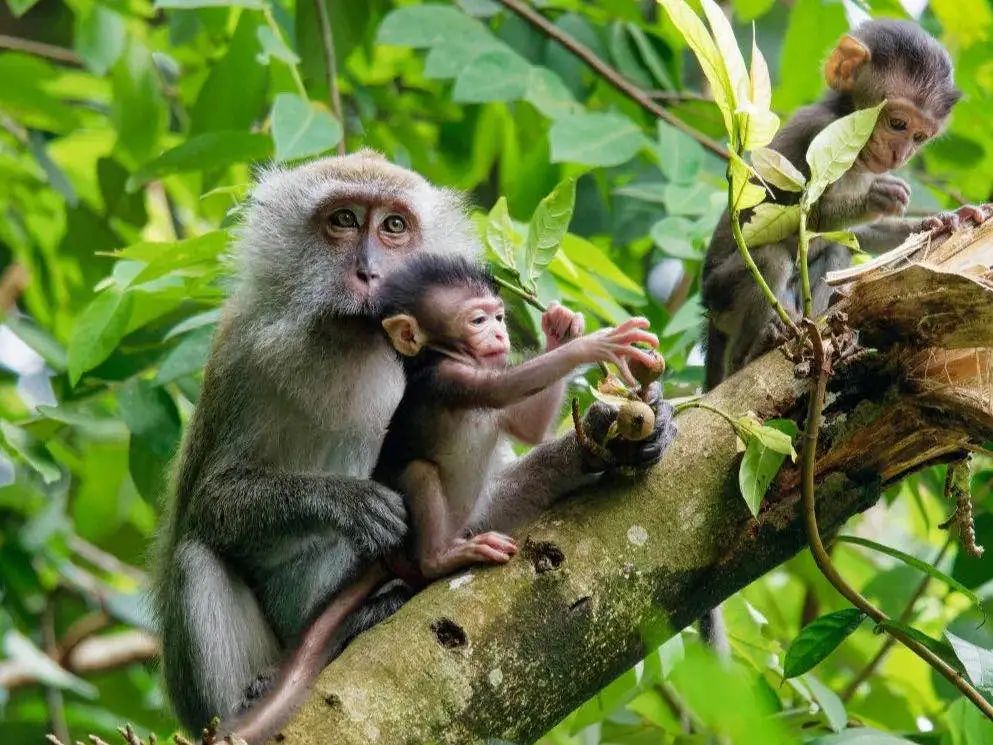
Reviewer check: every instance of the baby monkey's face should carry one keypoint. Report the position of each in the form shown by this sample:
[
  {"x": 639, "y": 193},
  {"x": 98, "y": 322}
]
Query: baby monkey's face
[{"x": 481, "y": 326}]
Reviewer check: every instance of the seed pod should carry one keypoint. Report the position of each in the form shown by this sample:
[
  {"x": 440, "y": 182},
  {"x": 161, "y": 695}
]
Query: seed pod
[
  {"x": 612, "y": 386},
  {"x": 635, "y": 421},
  {"x": 648, "y": 374}
]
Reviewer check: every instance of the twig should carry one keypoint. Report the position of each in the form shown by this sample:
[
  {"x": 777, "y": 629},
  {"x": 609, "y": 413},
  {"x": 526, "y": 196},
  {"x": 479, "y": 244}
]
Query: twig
[
  {"x": 610, "y": 74},
  {"x": 905, "y": 617},
  {"x": 680, "y": 96},
  {"x": 105, "y": 561},
  {"x": 331, "y": 67},
  {"x": 54, "y": 699},
  {"x": 40, "y": 49},
  {"x": 821, "y": 369}
]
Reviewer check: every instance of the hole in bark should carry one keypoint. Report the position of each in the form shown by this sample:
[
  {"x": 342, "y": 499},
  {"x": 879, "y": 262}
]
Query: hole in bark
[
  {"x": 279, "y": 737},
  {"x": 449, "y": 634},
  {"x": 580, "y": 605},
  {"x": 543, "y": 555},
  {"x": 332, "y": 701}
]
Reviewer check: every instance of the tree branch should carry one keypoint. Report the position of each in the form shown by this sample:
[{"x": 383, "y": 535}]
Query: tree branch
[
  {"x": 611, "y": 75},
  {"x": 40, "y": 49}
]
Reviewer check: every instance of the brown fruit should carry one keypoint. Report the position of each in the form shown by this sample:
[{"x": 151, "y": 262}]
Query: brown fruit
[
  {"x": 647, "y": 374},
  {"x": 635, "y": 421}
]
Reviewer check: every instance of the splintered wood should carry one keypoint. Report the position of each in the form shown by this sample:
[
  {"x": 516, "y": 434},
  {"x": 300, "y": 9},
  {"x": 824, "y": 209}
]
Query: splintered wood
[{"x": 933, "y": 298}]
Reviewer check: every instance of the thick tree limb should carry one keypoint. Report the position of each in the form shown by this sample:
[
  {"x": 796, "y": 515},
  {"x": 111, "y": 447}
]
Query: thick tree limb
[{"x": 507, "y": 652}]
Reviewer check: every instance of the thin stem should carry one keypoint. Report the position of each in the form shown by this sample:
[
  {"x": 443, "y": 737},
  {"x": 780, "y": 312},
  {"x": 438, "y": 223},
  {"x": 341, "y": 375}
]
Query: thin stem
[
  {"x": 278, "y": 33},
  {"x": 905, "y": 617},
  {"x": 331, "y": 67},
  {"x": 40, "y": 49},
  {"x": 679, "y": 96},
  {"x": 611, "y": 75},
  {"x": 820, "y": 554},
  {"x": 523, "y": 294},
  {"x": 746, "y": 257},
  {"x": 707, "y": 407},
  {"x": 803, "y": 249}
]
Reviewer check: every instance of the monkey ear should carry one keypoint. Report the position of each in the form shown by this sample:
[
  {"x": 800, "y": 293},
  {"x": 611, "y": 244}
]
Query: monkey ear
[
  {"x": 405, "y": 334},
  {"x": 845, "y": 61}
]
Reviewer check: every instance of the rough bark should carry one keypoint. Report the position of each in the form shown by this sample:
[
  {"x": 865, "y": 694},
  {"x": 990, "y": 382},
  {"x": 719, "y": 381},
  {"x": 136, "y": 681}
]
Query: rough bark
[{"x": 507, "y": 652}]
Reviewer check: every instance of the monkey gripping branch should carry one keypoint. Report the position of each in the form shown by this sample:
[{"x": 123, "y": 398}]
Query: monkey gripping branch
[{"x": 506, "y": 653}]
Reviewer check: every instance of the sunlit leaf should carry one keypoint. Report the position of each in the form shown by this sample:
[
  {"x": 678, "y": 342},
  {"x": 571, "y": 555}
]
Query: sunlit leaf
[
  {"x": 501, "y": 236},
  {"x": 207, "y": 152},
  {"x": 759, "y": 83},
  {"x": 943, "y": 650},
  {"x": 761, "y": 462},
  {"x": 274, "y": 47},
  {"x": 829, "y": 701},
  {"x": 727, "y": 45},
  {"x": 595, "y": 139},
  {"x": 977, "y": 661},
  {"x": 499, "y": 75},
  {"x": 744, "y": 193},
  {"x": 98, "y": 330},
  {"x": 776, "y": 169},
  {"x": 548, "y": 226},
  {"x": 818, "y": 639},
  {"x": 845, "y": 237},
  {"x": 771, "y": 223},
  {"x": 835, "y": 148},
  {"x": 300, "y": 128}
]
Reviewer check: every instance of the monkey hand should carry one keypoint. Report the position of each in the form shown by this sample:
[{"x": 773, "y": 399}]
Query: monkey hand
[
  {"x": 624, "y": 454},
  {"x": 950, "y": 221},
  {"x": 560, "y": 325},
  {"x": 616, "y": 345},
  {"x": 888, "y": 196},
  {"x": 379, "y": 520}
]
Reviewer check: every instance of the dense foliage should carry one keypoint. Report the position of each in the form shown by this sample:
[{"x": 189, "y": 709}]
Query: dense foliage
[{"x": 128, "y": 134}]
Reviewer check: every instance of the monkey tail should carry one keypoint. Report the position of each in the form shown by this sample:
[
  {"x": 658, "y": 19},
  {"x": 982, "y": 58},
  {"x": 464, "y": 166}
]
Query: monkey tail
[{"x": 268, "y": 716}]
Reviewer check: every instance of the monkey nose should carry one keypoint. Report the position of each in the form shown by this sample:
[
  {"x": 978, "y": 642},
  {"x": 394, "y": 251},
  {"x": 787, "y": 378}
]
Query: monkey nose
[{"x": 367, "y": 276}]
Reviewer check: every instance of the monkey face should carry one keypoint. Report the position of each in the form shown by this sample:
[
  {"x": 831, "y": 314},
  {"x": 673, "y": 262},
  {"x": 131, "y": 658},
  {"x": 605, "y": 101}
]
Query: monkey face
[
  {"x": 900, "y": 130},
  {"x": 368, "y": 237},
  {"x": 483, "y": 328}
]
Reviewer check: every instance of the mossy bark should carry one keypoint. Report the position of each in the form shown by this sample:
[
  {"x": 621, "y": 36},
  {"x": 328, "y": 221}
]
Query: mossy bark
[{"x": 507, "y": 652}]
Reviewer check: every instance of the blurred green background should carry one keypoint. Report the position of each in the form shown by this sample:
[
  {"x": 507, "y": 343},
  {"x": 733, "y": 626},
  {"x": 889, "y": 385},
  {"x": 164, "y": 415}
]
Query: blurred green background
[{"x": 127, "y": 133}]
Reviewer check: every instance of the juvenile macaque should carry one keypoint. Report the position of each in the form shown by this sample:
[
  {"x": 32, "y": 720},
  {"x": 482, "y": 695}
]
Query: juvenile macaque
[
  {"x": 896, "y": 61},
  {"x": 443, "y": 314}
]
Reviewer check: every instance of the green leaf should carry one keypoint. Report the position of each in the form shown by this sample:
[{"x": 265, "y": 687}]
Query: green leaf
[
  {"x": 944, "y": 651},
  {"x": 929, "y": 569},
  {"x": 835, "y": 148},
  {"x": 549, "y": 224},
  {"x": 300, "y": 128},
  {"x": 189, "y": 4},
  {"x": 845, "y": 237},
  {"x": 40, "y": 340},
  {"x": 594, "y": 260},
  {"x": 771, "y": 223},
  {"x": 187, "y": 357},
  {"x": 20, "y": 7},
  {"x": 18, "y": 648},
  {"x": 499, "y": 75},
  {"x": 273, "y": 46},
  {"x": 707, "y": 54},
  {"x": 775, "y": 168},
  {"x": 757, "y": 127},
  {"x": 595, "y": 139},
  {"x": 759, "y": 82},
  {"x": 139, "y": 109},
  {"x": 727, "y": 45},
  {"x": 673, "y": 237},
  {"x": 860, "y": 736},
  {"x": 977, "y": 661},
  {"x": 207, "y": 152},
  {"x": 423, "y": 26},
  {"x": 829, "y": 701},
  {"x": 690, "y": 316},
  {"x": 99, "y": 37},
  {"x": 748, "y": 10},
  {"x": 501, "y": 235},
  {"x": 151, "y": 416},
  {"x": 19, "y": 443},
  {"x": 163, "y": 258},
  {"x": 680, "y": 156},
  {"x": 547, "y": 93},
  {"x": 744, "y": 193},
  {"x": 761, "y": 463},
  {"x": 98, "y": 330},
  {"x": 818, "y": 639}
]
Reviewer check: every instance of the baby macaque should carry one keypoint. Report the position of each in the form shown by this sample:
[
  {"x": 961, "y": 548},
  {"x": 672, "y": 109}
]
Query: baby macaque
[{"x": 444, "y": 315}]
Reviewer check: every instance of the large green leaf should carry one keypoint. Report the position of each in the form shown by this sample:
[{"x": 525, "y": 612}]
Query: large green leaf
[
  {"x": 929, "y": 569},
  {"x": 595, "y": 139},
  {"x": 151, "y": 416},
  {"x": 499, "y": 75},
  {"x": 301, "y": 128},
  {"x": 187, "y": 357},
  {"x": 771, "y": 223},
  {"x": 835, "y": 148},
  {"x": 99, "y": 329},
  {"x": 425, "y": 25},
  {"x": 860, "y": 736},
  {"x": 977, "y": 661},
  {"x": 761, "y": 463},
  {"x": 207, "y": 152},
  {"x": 818, "y": 639},
  {"x": 549, "y": 224},
  {"x": 100, "y": 37}
]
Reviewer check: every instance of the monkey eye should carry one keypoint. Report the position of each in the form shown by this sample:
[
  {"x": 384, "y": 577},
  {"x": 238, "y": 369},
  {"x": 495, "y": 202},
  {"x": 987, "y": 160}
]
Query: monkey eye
[
  {"x": 394, "y": 224},
  {"x": 479, "y": 320},
  {"x": 343, "y": 219},
  {"x": 499, "y": 317},
  {"x": 898, "y": 124}
]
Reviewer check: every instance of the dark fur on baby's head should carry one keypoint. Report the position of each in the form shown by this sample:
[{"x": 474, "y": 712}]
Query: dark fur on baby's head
[{"x": 406, "y": 289}]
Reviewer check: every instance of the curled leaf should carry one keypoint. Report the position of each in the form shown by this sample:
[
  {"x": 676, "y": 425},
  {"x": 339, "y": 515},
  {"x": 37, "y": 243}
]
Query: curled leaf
[{"x": 776, "y": 169}]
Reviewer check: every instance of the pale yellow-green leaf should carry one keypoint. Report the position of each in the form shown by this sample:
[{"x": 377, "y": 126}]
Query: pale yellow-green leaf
[
  {"x": 760, "y": 85},
  {"x": 727, "y": 45},
  {"x": 700, "y": 41},
  {"x": 845, "y": 237},
  {"x": 757, "y": 126},
  {"x": 775, "y": 168},
  {"x": 771, "y": 223},
  {"x": 744, "y": 193},
  {"x": 501, "y": 236},
  {"x": 835, "y": 149}
]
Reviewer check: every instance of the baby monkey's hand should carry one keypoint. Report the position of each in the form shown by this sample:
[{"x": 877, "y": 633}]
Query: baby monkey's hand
[
  {"x": 616, "y": 345},
  {"x": 560, "y": 325}
]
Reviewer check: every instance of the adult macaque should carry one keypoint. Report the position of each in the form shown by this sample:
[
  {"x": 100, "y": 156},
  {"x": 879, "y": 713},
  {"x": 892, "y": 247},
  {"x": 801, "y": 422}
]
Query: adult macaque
[
  {"x": 274, "y": 523},
  {"x": 445, "y": 316},
  {"x": 896, "y": 61}
]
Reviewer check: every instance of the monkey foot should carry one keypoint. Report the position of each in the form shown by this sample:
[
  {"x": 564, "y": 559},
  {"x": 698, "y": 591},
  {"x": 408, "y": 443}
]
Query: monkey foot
[
  {"x": 950, "y": 221},
  {"x": 484, "y": 548}
]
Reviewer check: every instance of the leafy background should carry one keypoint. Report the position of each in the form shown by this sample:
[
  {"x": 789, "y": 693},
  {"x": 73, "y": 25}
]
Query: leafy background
[{"x": 127, "y": 134}]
